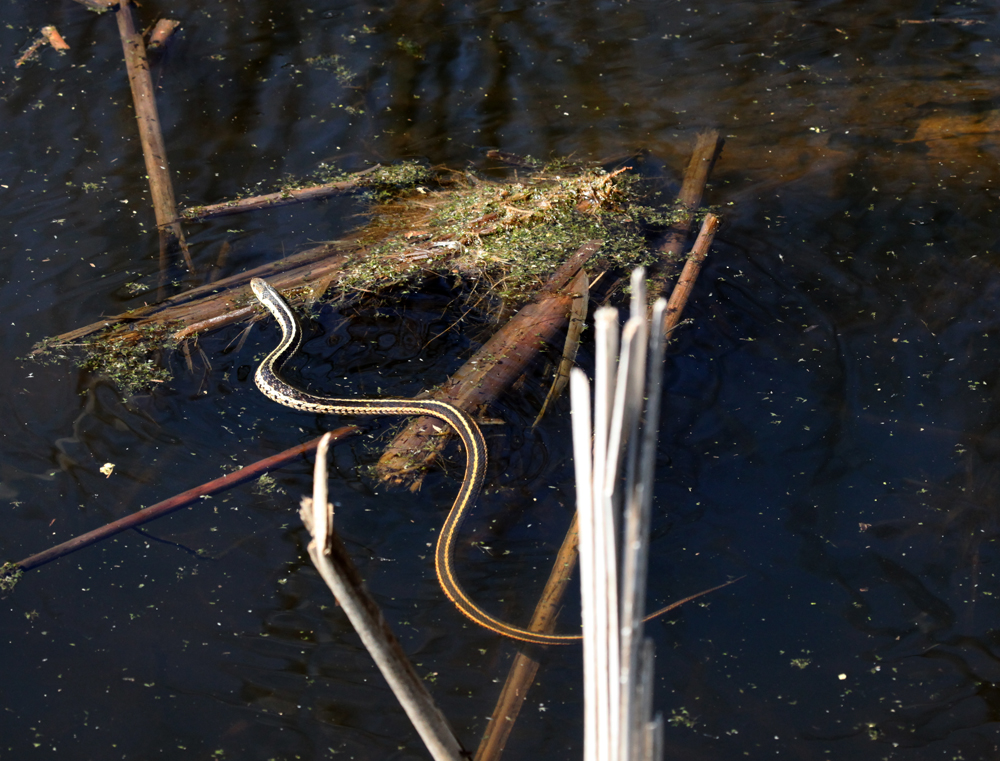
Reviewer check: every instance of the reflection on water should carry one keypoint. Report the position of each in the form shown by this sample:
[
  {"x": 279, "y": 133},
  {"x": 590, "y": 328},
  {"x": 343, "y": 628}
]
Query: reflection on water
[{"x": 830, "y": 432}]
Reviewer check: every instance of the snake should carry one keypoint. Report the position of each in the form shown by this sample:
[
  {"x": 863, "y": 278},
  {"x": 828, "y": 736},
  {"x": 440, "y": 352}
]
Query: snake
[{"x": 274, "y": 387}]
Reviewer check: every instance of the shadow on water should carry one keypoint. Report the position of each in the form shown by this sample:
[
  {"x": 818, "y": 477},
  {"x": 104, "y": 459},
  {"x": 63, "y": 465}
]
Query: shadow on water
[{"x": 831, "y": 428}]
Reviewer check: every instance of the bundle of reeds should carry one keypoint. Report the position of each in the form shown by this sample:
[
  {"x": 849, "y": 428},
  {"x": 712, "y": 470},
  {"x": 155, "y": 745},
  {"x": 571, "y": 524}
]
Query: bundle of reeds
[{"x": 615, "y": 457}]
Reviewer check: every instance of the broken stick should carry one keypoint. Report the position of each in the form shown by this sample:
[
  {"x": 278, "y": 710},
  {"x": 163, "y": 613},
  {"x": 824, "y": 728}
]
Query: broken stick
[{"x": 154, "y": 150}]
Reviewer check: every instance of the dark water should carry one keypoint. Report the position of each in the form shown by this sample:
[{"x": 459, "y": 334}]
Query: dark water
[{"x": 830, "y": 431}]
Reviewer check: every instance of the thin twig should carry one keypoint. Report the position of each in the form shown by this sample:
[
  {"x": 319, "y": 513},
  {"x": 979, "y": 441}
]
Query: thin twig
[
  {"x": 177, "y": 502},
  {"x": 281, "y": 198},
  {"x": 577, "y": 319}
]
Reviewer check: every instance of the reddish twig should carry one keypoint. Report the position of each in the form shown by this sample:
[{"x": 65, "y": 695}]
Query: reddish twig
[{"x": 175, "y": 503}]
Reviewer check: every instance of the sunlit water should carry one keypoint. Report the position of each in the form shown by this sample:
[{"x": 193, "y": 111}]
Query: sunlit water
[{"x": 829, "y": 432}]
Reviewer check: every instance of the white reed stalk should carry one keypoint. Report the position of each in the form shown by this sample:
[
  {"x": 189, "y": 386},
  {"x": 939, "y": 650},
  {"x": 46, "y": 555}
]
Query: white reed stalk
[
  {"x": 579, "y": 390},
  {"x": 604, "y": 554},
  {"x": 635, "y": 543},
  {"x": 334, "y": 565},
  {"x": 617, "y": 660}
]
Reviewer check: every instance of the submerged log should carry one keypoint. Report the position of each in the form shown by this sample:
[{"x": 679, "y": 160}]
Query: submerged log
[
  {"x": 496, "y": 365},
  {"x": 706, "y": 150}
]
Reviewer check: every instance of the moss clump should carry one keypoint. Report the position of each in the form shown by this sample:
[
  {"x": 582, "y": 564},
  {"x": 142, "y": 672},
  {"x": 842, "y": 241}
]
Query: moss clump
[
  {"x": 503, "y": 237},
  {"x": 10, "y": 574},
  {"x": 130, "y": 360}
]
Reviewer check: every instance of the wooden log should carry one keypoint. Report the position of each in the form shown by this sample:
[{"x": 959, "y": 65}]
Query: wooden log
[
  {"x": 51, "y": 34},
  {"x": 161, "y": 34},
  {"x": 491, "y": 370}
]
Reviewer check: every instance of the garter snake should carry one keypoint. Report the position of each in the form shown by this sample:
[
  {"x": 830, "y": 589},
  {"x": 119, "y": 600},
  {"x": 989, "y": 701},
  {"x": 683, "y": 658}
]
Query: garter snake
[{"x": 269, "y": 381}]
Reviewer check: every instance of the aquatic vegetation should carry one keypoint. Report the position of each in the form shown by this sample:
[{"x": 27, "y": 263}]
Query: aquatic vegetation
[
  {"x": 503, "y": 238},
  {"x": 130, "y": 361}
]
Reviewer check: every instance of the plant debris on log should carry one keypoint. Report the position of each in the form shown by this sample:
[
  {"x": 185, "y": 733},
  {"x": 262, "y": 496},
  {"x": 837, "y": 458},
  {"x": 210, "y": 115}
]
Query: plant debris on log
[{"x": 499, "y": 241}]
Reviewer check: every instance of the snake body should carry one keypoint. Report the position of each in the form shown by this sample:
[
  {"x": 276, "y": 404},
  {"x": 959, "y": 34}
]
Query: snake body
[{"x": 270, "y": 382}]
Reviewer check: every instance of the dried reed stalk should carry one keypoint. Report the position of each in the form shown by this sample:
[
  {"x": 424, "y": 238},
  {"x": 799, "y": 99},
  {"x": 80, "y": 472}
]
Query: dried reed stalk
[
  {"x": 281, "y": 198},
  {"x": 154, "y": 150},
  {"x": 342, "y": 577},
  {"x": 616, "y": 678}
]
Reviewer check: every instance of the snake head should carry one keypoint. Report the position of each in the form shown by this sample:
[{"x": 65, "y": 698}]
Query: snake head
[{"x": 262, "y": 289}]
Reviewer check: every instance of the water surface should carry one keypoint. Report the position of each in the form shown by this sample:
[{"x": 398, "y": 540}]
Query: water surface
[{"x": 829, "y": 431}]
